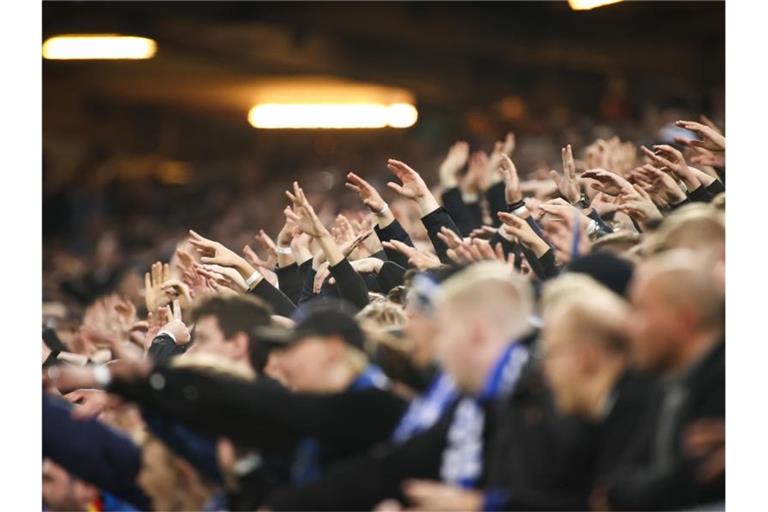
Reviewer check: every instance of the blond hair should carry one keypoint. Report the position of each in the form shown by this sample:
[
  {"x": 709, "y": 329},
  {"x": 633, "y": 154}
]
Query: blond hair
[{"x": 493, "y": 291}]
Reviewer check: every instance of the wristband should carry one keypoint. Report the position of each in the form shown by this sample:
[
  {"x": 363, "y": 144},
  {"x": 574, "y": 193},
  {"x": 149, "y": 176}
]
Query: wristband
[
  {"x": 517, "y": 205},
  {"x": 253, "y": 279},
  {"x": 384, "y": 209},
  {"x": 102, "y": 376},
  {"x": 283, "y": 250},
  {"x": 520, "y": 211},
  {"x": 166, "y": 333}
]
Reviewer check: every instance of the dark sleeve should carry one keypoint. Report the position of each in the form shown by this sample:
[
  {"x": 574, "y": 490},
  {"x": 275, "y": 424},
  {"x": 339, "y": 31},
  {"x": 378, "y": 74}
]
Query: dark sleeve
[
  {"x": 262, "y": 414},
  {"x": 601, "y": 224},
  {"x": 716, "y": 187},
  {"x": 435, "y": 220},
  {"x": 290, "y": 281},
  {"x": 467, "y": 216},
  {"x": 390, "y": 275},
  {"x": 281, "y": 304},
  {"x": 675, "y": 206},
  {"x": 307, "y": 274},
  {"x": 661, "y": 488},
  {"x": 506, "y": 245},
  {"x": 548, "y": 264},
  {"x": 163, "y": 348},
  {"x": 361, "y": 483},
  {"x": 92, "y": 451},
  {"x": 394, "y": 231},
  {"x": 198, "y": 450},
  {"x": 497, "y": 201},
  {"x": 700, "y": 195},
  {"x": 350, "y": 285}
]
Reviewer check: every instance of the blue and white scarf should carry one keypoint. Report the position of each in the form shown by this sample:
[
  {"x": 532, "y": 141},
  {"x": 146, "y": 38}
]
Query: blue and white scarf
[
  {"x": 462, "y": 458},
  {"x": 426, "y": 409}
]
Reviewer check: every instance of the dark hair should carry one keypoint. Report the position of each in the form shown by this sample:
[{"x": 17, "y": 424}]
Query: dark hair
[{"x": 241, "y": 313}]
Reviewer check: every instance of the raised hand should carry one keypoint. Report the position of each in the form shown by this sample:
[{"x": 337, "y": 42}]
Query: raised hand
[
  {"x": 177, "y": 289},
  {"x": 411, "y": 186},
  {"x": 508, "y": 171},
  {"x": 175, "y": 326},
  {"x": 477, "y": 176},
  {"x": 641, "y": 208},
  {"x": 449, "y": 237},
  {"x": 321, "y": 274},
  {"x": 224, "y": 275},
  {"x": 609, "y": 182},
  {"x": 657, "y": 182},
  {"x": 213, "y": 252},
  {"x": 154, "y": 297},
  {"x": 454, "y": 161},
  {"x": 604, "y": 204},
  {"x": 368, "y": 194},
  {"x": 567, "y": 184},
  {"x": 420, "y": 259},
  {"x": 710, "y": 138},
  {"x": 668, "y": 157},
  {"x": 303, "y": 215},
  {"x": 517, "y": 227}
]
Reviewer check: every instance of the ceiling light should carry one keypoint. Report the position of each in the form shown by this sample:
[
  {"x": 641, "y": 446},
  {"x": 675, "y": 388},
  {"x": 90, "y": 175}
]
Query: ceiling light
[{"x": 98, "y": 46}]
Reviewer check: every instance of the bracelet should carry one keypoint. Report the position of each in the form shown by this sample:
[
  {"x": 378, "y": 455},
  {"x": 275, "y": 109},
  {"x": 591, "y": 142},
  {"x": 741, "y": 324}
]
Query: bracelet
[
  {"x": 516, "y": 206},
  {"x": 252, "y": 280},
  {"x": 592, "y": 227},
  {"x": 283, "y": 250},
  {"x": 102, "y": 376},
  {"x": 520, "y": 211},
  {"x": 384, "y": 209}
]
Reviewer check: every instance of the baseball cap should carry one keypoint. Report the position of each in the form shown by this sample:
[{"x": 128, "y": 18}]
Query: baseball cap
[{"x": 330, "y": 318}]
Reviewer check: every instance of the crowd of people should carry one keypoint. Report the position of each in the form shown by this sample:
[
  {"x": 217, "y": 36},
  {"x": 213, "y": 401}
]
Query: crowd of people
[{"x": 498, "y": 341}]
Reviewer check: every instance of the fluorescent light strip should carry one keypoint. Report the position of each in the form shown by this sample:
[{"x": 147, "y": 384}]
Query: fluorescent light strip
[
  {"x": 332, "y": 115},
  {"x": 98, "y": 46}
]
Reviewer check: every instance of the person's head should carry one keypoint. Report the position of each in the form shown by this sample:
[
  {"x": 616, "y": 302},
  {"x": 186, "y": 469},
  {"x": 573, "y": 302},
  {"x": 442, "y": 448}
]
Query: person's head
[
  {"x": 697, "y": 227},
  {"x": 479, "y": 311},
  {"x": 170, "y": 481},
  {"x": 421, "y": 325},
  {"x": 618, "y": 242},
  {"x": 678, "y": 307},
  {"x": 381, "y": 316},
  {"x": 323, "y": 353},
  {"x": 223, "y": 325},
  {"x": 61, "y": 491},
  {"x": 610, "y": 270},
  {"x": 583, "y": 343}
]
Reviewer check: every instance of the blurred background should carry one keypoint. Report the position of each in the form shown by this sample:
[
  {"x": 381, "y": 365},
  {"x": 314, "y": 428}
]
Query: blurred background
[{"x": 135, "y": 152}]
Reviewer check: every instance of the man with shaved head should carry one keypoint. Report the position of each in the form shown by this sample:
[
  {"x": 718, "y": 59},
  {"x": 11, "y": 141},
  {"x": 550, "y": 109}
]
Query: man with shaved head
[{"x": 677, "y": 330}]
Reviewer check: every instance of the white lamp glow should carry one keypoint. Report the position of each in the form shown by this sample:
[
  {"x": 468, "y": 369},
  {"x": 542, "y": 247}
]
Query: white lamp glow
[{"x": 98, "y": 46}]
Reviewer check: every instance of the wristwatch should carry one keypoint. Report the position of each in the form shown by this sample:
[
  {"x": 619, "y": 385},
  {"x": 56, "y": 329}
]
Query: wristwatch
[{"x": 583, "y": 201}]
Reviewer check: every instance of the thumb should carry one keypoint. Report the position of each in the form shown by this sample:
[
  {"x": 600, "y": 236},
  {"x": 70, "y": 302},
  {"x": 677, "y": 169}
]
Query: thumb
[{"x": 555, "y": 177}]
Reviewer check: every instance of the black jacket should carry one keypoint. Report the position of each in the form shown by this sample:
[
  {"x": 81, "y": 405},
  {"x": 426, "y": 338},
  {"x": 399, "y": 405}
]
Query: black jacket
[
  {"x": 264, "y": 415},
  {"x": 670, "y": 479}
]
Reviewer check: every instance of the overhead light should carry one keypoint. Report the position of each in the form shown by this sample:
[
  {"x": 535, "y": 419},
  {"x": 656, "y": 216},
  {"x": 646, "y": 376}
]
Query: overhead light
[
  {"x": 332, "y": 115},
  {"x": 585, "y": 5},
  {"x": 98, "y": 46}
]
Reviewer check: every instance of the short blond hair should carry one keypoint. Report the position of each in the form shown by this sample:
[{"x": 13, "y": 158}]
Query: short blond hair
[
  {"x": 494, "y": 291},
  {"x": 589, "y": 310}
]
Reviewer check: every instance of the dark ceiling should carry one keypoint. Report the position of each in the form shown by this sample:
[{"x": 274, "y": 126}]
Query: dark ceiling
[{"x": 458, "y": 52}]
